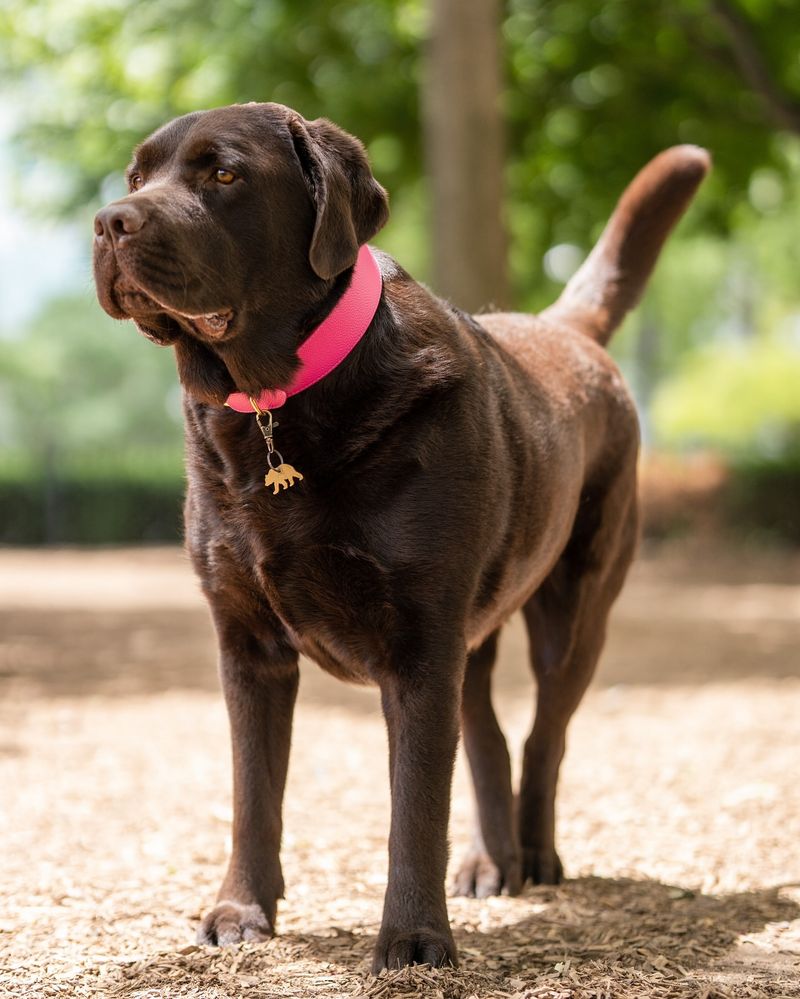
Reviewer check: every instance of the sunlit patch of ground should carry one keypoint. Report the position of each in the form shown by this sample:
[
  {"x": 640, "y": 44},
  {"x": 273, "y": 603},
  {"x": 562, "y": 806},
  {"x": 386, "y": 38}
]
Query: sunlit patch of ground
[{"x": 679, "y": 811}]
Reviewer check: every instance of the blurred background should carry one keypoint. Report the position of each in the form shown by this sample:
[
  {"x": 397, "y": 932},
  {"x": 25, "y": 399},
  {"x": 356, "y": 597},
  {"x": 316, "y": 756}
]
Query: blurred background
[{"x": 504, "y": 134}]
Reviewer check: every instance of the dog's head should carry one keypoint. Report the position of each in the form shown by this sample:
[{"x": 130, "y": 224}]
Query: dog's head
[{"x": 237, "y": 225}]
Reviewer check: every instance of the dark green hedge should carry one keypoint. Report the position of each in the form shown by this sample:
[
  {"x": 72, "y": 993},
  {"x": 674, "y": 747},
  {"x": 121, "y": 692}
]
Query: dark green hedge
[
  {"x": 89, "y": 511},
  {"x": 97, "y": 505},
  {"x": 762, "y": 499}
]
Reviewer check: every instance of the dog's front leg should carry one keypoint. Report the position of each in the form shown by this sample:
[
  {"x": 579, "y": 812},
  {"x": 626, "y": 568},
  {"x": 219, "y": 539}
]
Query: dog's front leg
[
  {"x": 259, "y": 678},
  {"x": 421, "y": 707}
]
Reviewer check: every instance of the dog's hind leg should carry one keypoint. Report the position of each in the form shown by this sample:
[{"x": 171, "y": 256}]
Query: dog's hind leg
[
  {"x": 492, "y": 864},
  {"x": 566, "y": 620}
]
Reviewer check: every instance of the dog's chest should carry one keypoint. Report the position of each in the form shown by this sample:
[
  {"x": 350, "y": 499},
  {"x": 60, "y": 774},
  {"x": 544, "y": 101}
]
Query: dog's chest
[{"x": 332, "y": 597}]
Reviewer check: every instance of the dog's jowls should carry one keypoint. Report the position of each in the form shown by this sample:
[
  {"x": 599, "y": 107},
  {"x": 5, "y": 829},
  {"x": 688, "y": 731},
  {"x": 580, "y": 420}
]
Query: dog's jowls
[{"x": 455, "y": 470}]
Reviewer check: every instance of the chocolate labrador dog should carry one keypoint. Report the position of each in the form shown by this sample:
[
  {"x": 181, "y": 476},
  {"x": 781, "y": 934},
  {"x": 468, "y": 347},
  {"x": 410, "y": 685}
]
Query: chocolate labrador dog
[{"x": 432, "y": 473}]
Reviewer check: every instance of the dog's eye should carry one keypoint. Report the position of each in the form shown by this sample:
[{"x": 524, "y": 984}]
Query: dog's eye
[
  {"x": 223, "y": 176},
  {"x": 135, "y": 181}
]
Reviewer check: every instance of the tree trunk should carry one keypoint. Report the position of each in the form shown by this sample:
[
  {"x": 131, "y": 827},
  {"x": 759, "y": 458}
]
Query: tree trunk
[
  {"x": 464, "y": 140},
  {"x": 647, "y": 365}
]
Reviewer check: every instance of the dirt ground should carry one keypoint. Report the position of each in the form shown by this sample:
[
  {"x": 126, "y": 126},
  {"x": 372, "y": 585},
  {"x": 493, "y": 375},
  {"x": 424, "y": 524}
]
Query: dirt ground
[{"x": 679, "y": 811}]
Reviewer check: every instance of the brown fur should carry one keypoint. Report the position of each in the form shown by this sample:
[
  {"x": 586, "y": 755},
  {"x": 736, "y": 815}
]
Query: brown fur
[{"x": 455, "y": 470}]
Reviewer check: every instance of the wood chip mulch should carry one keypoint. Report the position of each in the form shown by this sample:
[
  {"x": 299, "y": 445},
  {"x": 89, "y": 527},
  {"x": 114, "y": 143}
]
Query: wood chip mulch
[{"x": 679, "y": 811}]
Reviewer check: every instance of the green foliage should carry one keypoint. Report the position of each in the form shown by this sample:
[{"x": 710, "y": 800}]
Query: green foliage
[
  {"x": 90, "y": 438},
  {"x": 77, "y": 381},
  {"x": 593, "y": 91},
  {"x": 682, "y": 308},
  {"x": 728, "y": 365},
  {"x": 742, "y": 397},
  {"x": 121, "y": 68},
  {"x": 596, "y": 90}
]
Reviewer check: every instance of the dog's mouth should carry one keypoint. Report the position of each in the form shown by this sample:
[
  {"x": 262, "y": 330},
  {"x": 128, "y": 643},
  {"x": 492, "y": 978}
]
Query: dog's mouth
[
  {"x": 214, "y": 324},
  {"x": 145, "y": 309}
]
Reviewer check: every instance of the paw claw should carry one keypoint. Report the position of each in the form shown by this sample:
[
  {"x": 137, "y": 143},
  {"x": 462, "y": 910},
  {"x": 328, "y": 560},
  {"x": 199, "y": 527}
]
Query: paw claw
[
  {"x": 480, "y": 877},
  {"x": 230, "y": 923},
  {"x": 542, "y": 867},
  {"x": 399, "y": 950}
]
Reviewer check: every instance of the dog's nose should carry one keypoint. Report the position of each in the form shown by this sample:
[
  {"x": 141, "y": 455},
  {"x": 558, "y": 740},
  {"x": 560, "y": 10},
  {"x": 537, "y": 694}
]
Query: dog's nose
[{"x": 118, "y": 220}]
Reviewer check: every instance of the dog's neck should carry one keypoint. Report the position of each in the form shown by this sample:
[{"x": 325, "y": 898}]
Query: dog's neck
[{"x": 330, "y": 343}]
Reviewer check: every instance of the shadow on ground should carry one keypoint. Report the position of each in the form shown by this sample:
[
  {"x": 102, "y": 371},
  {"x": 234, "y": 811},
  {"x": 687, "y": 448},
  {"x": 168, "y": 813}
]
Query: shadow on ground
[
  {"x": 129, "y": 622},
  {"x": 649, "y": 938}
]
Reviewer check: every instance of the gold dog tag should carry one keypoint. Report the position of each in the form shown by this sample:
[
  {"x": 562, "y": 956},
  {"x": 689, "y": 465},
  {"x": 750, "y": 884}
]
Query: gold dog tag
[
  {"x": 279, "y": 474},
  {"x": 281, "y": 477}
]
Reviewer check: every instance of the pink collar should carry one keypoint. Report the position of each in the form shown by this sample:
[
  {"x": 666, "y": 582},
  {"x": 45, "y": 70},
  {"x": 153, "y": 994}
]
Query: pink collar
[{"x": 331, "y": 341}]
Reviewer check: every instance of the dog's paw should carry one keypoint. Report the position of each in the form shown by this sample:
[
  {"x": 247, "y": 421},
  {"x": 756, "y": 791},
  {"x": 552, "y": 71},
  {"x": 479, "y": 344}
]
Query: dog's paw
[
  {"x": 231, "y": 923},
  {"x": 424, "y": 946},
  {"x": 479, "y": 876},
  {"x": 541, "y": 867}
]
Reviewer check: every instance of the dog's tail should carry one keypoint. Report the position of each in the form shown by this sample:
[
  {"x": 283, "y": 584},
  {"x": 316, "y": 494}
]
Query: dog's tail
[{"x": 612, "y": 278}]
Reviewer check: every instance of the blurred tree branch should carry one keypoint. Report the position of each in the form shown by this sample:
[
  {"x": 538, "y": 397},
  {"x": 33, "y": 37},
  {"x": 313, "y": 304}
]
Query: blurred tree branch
[{"x": 746, "y": 49}]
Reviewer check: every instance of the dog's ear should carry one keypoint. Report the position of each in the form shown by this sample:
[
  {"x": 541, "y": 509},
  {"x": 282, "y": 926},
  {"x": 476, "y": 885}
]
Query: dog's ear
[{"x": 351, "y": 205}]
